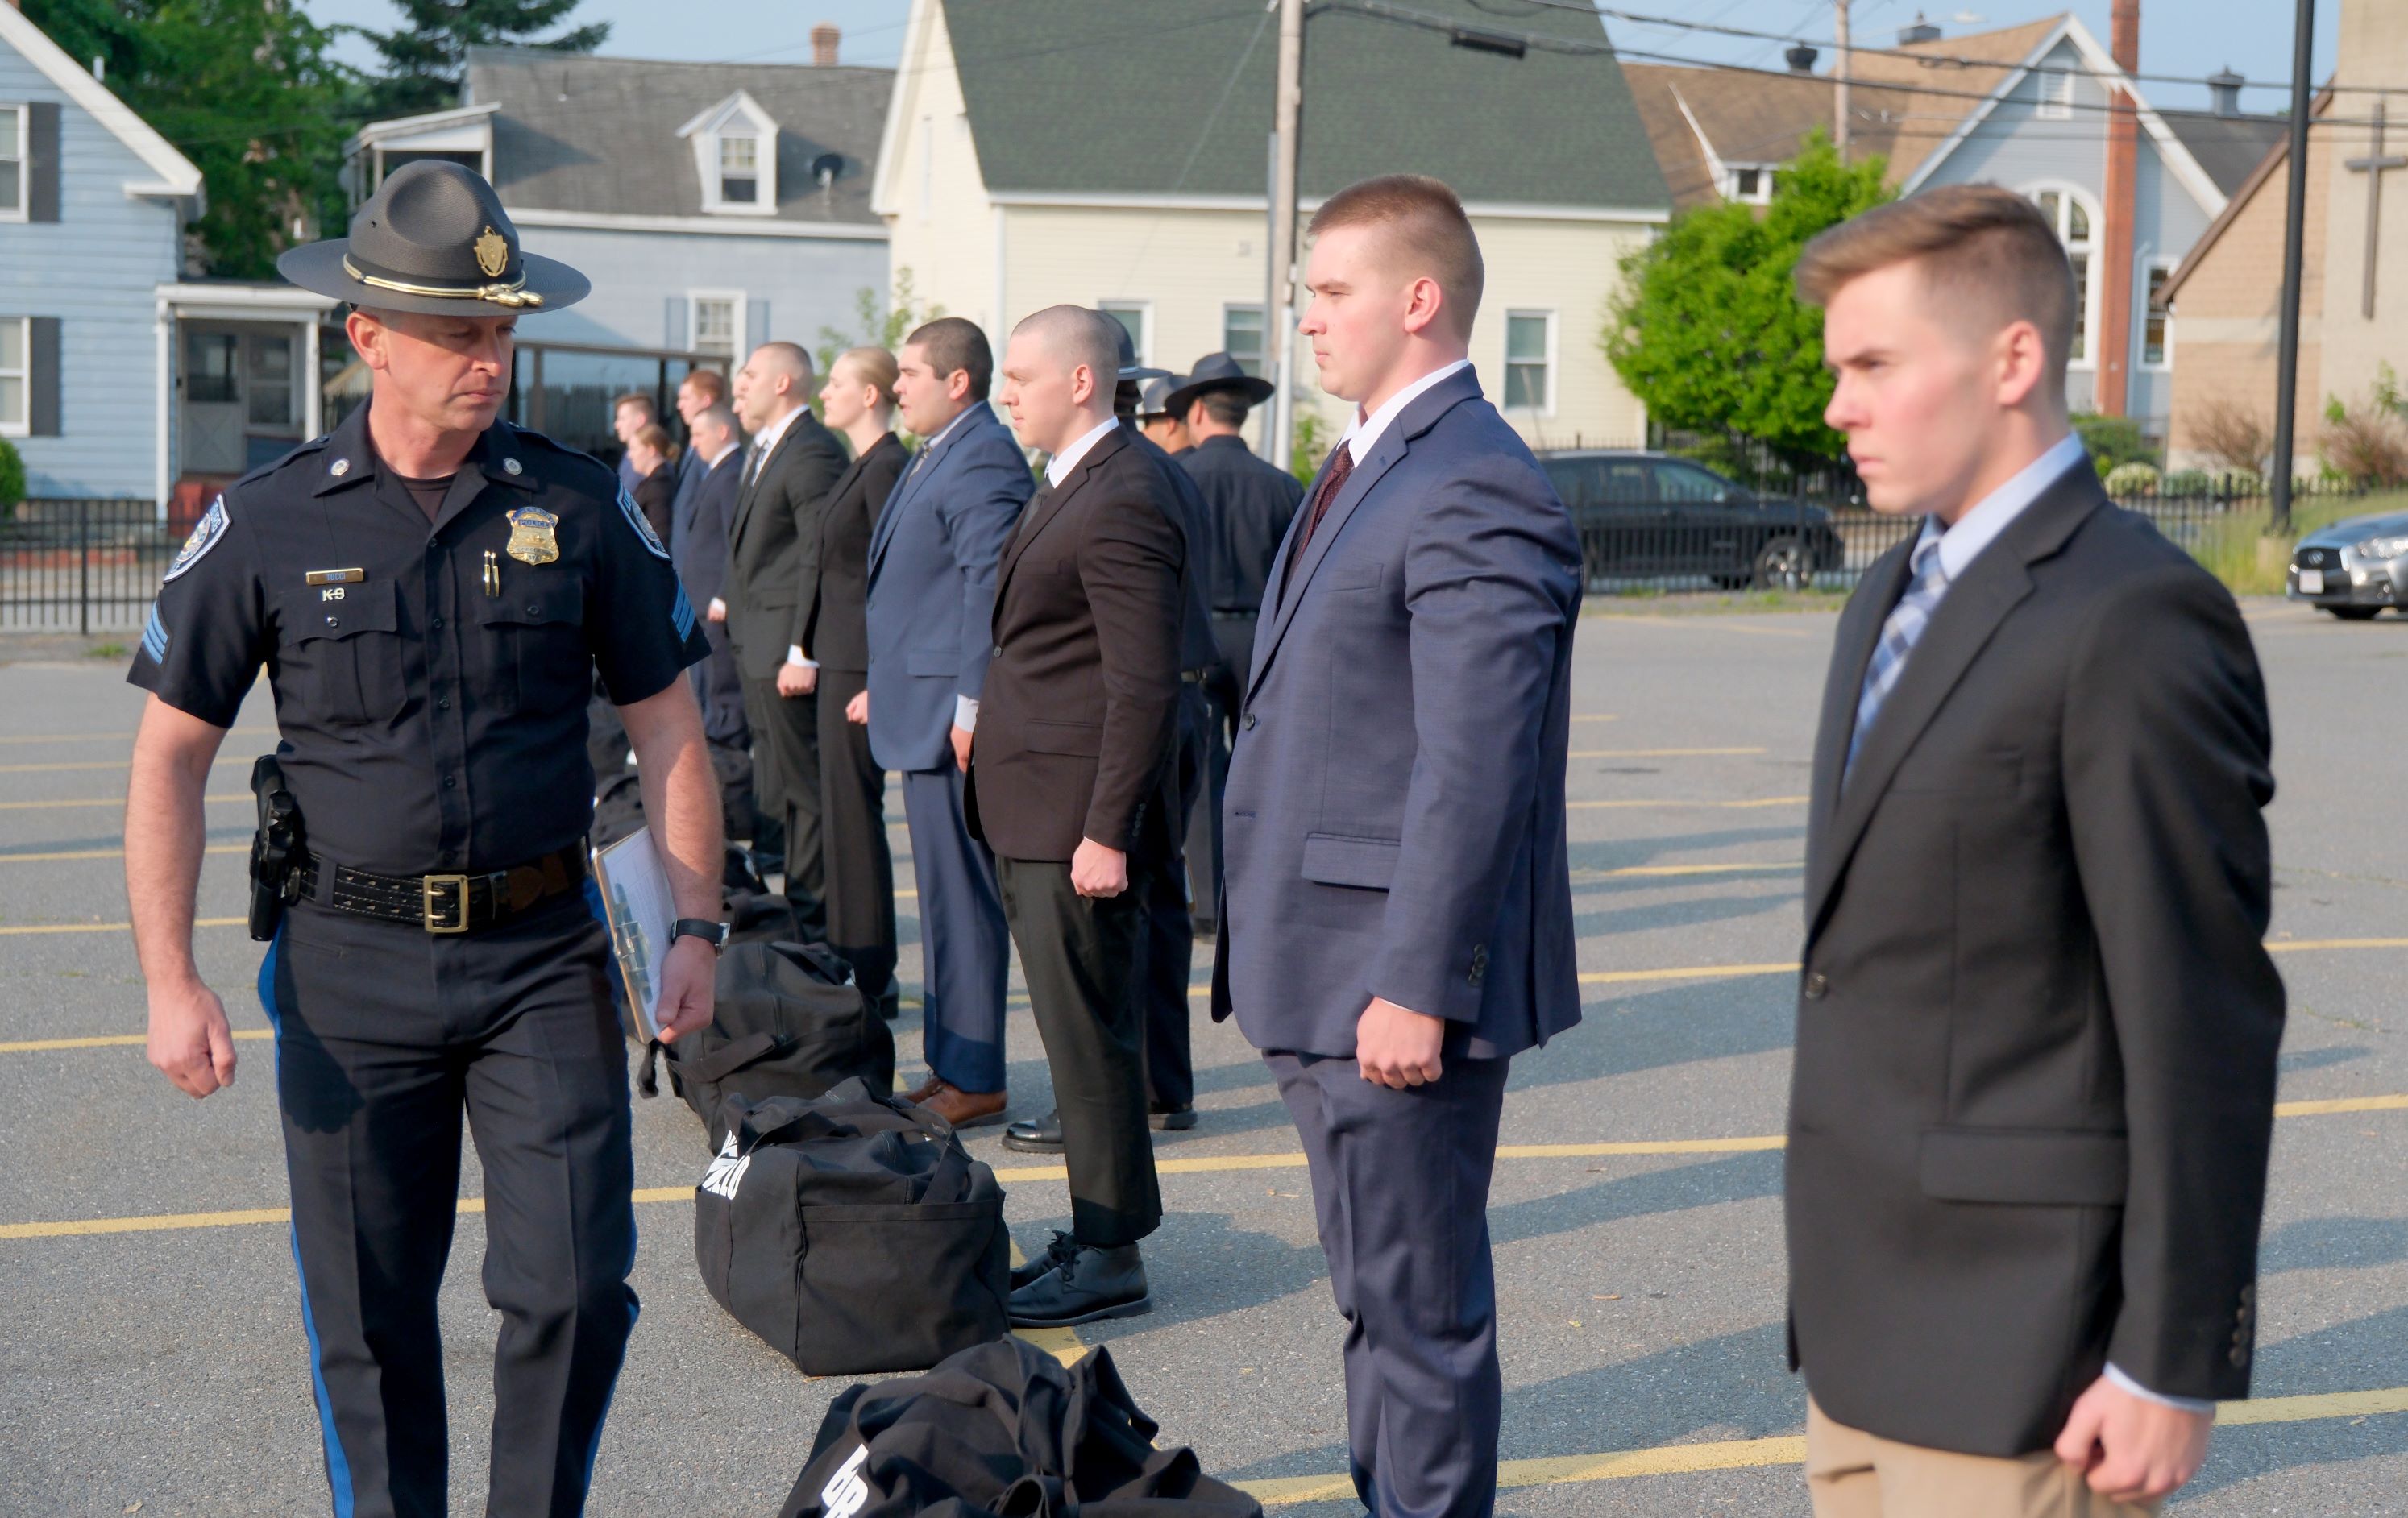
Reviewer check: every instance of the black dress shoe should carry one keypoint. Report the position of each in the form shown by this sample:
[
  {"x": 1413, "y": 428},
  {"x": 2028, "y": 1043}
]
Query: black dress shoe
[
  {"x": 1061, "y": 1249},
  {"x": 1090, "y": 1283},
  {"x": 1036, "y": 1135},
  {"x": 1170, "y": 1119}
]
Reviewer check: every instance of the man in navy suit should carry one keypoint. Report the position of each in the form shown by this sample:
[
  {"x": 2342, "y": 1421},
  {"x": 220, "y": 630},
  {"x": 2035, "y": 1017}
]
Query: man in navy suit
[
  {"x": 1397, "y": 913},
  {"x": 932, "y": 561}
]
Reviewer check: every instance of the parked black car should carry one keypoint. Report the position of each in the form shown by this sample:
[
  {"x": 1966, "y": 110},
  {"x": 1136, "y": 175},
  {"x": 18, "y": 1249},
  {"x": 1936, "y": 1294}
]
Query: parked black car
[{"x": 1648, "y": 515}]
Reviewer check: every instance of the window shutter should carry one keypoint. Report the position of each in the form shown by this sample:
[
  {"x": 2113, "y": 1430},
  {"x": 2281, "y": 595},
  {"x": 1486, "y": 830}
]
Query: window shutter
[
  {"x": 42, "y": 161},
  {"x": 756, "y": 322},
  {"x": 673, "y": 323},
  {"x": 42, "y": 402}
]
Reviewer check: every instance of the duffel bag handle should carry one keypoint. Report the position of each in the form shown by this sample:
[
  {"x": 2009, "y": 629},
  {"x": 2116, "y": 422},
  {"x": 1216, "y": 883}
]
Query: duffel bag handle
[{"x": 733, "y": 1056}]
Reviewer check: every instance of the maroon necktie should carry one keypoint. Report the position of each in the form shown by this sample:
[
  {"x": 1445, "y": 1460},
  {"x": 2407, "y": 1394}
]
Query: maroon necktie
[{"x": 1331, "y": 483}]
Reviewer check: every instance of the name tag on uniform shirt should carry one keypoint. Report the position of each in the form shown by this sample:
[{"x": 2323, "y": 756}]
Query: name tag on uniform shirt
[{"x": 333, "y": 581}]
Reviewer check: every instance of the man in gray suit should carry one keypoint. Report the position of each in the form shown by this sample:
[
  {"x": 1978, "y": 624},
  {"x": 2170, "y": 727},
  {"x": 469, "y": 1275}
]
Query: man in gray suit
[
  {"x": 1397, "y": 916},
  {"x": 932, "y": 562}
]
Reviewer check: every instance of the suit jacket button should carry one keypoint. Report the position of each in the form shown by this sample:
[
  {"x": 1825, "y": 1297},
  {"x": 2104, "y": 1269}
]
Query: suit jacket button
[
  {"x": 2239, "y": 1354},
  {"x": 998, "y": 651},
  {"x": 1816, "y": 986},
  {"x": 1249, "y": 723}
]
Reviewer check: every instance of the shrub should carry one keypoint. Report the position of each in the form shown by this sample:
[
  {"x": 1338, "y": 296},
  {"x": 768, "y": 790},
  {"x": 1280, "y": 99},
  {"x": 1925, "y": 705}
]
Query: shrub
[
  {"x": 2233, "y": 435},
  {"x": 12, "y": 478},
  {"x": 2187, "y": 482},
  {"x": 2364, "y": 445},
  {"x": 2133, "y": 479},
  {"x": 2113, "y": 440}
]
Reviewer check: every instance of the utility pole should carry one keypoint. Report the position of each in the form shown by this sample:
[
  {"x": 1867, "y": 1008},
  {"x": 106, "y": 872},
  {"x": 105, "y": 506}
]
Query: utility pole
[
  {"x": 1840, "y": 77},
  {"x": 1279, "y": 305},
  {"x": 2295, "y": 224}
]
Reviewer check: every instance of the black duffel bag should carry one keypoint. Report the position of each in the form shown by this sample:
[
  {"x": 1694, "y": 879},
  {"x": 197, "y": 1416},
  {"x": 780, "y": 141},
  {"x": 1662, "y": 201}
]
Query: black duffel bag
[
  {"x": 785, "y": 1021},
  {"x": 1003, "y": 1428},
  {"x": 853, "y": 1232}
]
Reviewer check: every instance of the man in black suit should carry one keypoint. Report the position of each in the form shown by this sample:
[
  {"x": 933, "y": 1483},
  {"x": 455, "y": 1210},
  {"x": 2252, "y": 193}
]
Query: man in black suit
[
  {"x": 773, "y": 557},
  {"x": 2036, "y": 1041},
  {"x": 1248, "y": 504},
  {"x": 1066, "y": 785},
  {"x": 698, "y": 549}
]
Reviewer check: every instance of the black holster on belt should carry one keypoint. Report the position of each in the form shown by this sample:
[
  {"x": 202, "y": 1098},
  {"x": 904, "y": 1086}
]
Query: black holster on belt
[{"x": 275, "y": 849}]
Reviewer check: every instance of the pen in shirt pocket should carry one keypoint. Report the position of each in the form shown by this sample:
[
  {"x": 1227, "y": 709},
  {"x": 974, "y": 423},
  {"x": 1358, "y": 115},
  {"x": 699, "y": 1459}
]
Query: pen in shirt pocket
[{"x": 493, "y": 575}]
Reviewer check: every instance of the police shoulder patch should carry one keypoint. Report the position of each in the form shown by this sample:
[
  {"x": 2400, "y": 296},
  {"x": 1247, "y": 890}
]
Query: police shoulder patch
[
  {"x": 635, "y": 515},
  {"x": 206, "y": 534}
]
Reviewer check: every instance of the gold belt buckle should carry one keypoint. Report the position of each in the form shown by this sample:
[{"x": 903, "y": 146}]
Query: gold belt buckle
[{"x": 431, "y": 888}]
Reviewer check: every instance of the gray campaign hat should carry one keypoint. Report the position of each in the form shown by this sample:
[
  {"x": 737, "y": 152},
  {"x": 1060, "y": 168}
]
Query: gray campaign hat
[
  {"x": 1217, "y": 371},
  {"x": 1154, "y": 399},
  {"x": 1129, "y": 368},
  {"x": 434, "y": 239}
]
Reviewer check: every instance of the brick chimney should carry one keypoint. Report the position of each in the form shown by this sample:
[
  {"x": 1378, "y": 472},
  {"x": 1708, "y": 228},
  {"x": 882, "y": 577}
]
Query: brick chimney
[
  {"x": 2114, "y": 272},
  {"x": 825, "y": 38}
]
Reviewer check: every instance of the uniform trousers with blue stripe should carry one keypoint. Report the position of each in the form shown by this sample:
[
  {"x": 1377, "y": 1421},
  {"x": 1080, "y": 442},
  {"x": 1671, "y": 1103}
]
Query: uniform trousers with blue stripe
[{"x": 386, "y": 1037}]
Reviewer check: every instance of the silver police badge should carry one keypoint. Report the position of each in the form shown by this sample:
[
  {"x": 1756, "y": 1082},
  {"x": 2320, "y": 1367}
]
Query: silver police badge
[
  {"x": 204, "y": 537},
  {"x": 635, "y": 515}
]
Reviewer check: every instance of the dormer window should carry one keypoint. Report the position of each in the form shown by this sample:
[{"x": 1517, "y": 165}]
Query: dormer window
[
  {"x": 739, "y": 168},
  {"x": 1752, "y": 183},
  {"x": 735, "y": 157}
]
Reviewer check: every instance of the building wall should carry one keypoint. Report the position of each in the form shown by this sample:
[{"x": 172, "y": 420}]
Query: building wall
[
  {"x": 2374, "y": 51},
  {"x": 95, "y": 269},
  {"x": 793, "y": 286},
  {"x": 941, "y": 225},
  {"x": 1188, "y": 267},
  {"x": 2228, "y": 312}
]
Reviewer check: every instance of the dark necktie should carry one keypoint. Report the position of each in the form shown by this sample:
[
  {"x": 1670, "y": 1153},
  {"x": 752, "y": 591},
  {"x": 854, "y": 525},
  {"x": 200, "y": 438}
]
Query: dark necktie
[{"x": 1331, "y": 483}]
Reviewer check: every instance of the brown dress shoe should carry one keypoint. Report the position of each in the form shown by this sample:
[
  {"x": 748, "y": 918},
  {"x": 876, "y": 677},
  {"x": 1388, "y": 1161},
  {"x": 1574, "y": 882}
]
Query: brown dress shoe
[{"x": 962, "y": 1109}]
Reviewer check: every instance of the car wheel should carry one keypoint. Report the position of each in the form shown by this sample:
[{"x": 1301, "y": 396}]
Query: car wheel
[
  {"x": 1783, "y": 563},
  {"x": 2354, "y": 613}
]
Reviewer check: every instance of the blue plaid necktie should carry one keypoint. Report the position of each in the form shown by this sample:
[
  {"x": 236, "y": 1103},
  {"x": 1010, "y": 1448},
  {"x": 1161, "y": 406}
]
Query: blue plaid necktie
[{"x": 1897, "y": 637}]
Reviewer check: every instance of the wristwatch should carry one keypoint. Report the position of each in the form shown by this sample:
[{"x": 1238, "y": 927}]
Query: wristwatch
[{"x": 714, "y": 934}]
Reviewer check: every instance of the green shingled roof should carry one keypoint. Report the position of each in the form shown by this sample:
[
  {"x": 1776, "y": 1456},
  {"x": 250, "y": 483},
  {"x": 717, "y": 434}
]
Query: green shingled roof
[{"x": 1081, "y": 97}]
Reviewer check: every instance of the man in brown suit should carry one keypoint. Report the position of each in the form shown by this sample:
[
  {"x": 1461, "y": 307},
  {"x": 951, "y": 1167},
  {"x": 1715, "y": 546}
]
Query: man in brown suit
[{"x": 1066, "y": 783}]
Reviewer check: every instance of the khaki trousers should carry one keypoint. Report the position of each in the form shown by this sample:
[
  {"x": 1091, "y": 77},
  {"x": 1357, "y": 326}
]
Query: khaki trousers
[{"x": 1853, "y": 1474}]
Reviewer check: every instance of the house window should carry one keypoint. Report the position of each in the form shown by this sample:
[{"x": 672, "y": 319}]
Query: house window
[
  {"x": 2156, "y": 343},
  {"x": 271, "y": 402},
  {"x": 2055, "y": 94},
  {"x": 716, "y": 318},
  {"x": 16, "y": 375},
  {"x": 1530, "y": 361},
  {"x": 1242, "y": 336},
  {"x": 12, "y": 163},
  {"x": 1751, "y": 185},
  {"x": 210, "y": 377},
  {"x": 1136, "y": 315},
  {"x": 2067, "y": 212},
  {"x": 739, "y": 168}
]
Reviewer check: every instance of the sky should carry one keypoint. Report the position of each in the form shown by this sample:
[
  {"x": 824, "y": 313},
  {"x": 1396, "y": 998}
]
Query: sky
[{"x": 2192, "y": 38}]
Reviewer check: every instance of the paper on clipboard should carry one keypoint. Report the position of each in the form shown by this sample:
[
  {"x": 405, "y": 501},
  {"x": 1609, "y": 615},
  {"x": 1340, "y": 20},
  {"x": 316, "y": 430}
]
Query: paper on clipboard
[{"x": 636, "y": 899}]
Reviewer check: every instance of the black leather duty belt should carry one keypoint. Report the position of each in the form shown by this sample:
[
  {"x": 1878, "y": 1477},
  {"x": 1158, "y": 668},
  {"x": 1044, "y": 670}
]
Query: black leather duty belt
[{"x": 445, "y": 903}]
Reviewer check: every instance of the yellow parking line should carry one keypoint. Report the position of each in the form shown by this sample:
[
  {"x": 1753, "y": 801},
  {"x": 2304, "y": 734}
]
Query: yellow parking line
[
  {"x": 105, "y": 853},
  {"x": 108, "y": 928},
  {"x": 113, "y": 1040},
  {"x": 1689, "y": 972},
  {"x": 1658, "y": 753},
  {"x": 1200, "y": 1165},
  {"x": 1790, "y": 1450},
  {"x": 99, "y": 801},
  {"x": 1668, "y": 806},
  {"x": 2300, "y": 946}
]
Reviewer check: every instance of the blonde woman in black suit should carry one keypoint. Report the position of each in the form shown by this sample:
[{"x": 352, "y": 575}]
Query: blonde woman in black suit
[{"x": 859, "y": 403}]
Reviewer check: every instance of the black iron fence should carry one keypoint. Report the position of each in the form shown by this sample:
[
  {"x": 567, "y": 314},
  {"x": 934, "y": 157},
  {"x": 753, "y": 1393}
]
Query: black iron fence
[
  {"x": 84, "y": 566},
  {"x": 1749, "y": 542}
]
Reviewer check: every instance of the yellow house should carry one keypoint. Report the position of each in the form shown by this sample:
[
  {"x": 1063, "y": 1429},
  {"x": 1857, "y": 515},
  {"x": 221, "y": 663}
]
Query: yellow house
[{"x": 1040, "y": 151}]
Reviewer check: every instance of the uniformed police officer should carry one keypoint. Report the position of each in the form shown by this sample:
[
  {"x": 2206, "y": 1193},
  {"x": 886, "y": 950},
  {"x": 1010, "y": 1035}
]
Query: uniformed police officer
[
  {"x": 430, "y": 590},
  {"x": 1248, "y": 505}
]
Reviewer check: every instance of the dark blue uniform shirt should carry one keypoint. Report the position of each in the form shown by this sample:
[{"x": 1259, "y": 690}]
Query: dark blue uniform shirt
[
  {"x": 1248, "y": 504},
  {"x": 430, "y": 678}
]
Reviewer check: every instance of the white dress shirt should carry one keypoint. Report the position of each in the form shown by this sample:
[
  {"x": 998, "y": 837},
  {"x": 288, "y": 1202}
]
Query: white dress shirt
[
  {"x": 1063, "y": 463},
  {"x": 1362, "y": 434}
]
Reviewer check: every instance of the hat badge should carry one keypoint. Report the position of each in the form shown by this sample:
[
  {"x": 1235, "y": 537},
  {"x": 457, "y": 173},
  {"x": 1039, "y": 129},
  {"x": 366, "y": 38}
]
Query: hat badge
[{"x": 492, "y": 252}]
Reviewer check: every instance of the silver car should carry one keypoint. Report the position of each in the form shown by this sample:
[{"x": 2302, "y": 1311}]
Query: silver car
[{"x": 2354, "y": 569}]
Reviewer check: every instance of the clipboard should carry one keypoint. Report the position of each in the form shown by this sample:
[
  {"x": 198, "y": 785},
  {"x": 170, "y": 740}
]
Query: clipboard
[{"x": 636, "y": 904}]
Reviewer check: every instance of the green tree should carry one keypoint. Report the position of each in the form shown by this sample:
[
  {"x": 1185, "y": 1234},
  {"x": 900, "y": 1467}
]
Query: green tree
[
  {"x": 426, "y": 57},
  {"x": 243, "y": 88},
  {"x": 1707, "y": 330},
  {"x": 877, "y": 323}
]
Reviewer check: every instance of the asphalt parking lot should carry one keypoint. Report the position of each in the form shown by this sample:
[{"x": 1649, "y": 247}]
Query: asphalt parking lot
[{"x": 153, "y": 1353}]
